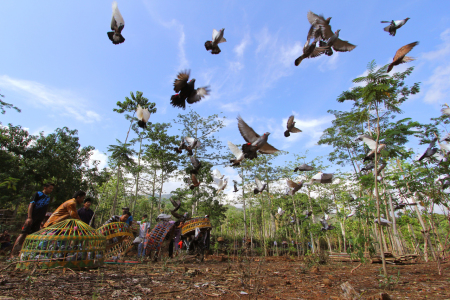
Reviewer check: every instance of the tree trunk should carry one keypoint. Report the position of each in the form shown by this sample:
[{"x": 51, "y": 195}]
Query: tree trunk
[{"x": 137, "y": 176}]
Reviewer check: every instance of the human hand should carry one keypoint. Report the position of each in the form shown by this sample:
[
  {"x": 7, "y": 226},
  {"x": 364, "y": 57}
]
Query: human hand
[{"x": 28, "y": 222}]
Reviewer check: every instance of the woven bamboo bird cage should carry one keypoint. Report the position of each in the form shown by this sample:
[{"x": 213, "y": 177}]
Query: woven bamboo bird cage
[
  {"x": 119, "y": 239},
  {"x": 69, "y": 243},
  {"x": 193, "y": 223}
]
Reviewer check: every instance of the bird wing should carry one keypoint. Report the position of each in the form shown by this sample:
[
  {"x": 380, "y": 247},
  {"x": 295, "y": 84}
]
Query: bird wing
[
  {"x": 139, "y": 112},
  {"x": 246, "y": 131},
  {"x": 217, "y": 173},
  {"x": 318, "y": 176},
  {"x": 235, "y": 150},
  {"x": 368, "y": 141},
  {"x": 199, "y": 94},
  {"x": 290, "y": 121},
  {"x": 195, "y": 162},
  {"x": 268, "y": 149},
  {"x": 433, "y": 142},
  {"x": 291, "y": 184},
  {"x": 326, "y": 176},
  {"x": 343, "y": 46},
  {"x": 189, "y": 140},
  {"x": 194, "y": 179},
  {"x": 258, "y": 183},
  {"x": 324, "y": 223},
  {"x": 446, "y": 111},
  {"x": 145, "y": 115},
  {"x": 218, "y": 181},
  {"x": 317, "y": 52},
  {"x": 214, "y": 34},
  {"x": 312, "y": 17},
  {"x": 181, "y": 81},
  {"x": 404, "y": 50},
  {"x": 117, "y": 16}
]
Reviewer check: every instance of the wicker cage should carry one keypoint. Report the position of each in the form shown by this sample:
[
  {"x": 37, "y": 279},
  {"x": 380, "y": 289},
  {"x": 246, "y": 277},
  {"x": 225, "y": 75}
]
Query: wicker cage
[
  {"x": 155, "y": 238},
  {"x": 69, "y": 243},
  {"x": 119, "y": 238},
  {"x": 200, "y": 223}
]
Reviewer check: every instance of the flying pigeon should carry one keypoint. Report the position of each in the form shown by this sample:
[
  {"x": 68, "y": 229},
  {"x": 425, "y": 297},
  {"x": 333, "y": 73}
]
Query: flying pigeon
[
  {"x": 319, "y": 22},
  {"x": 259, "y": 186},
  {"x": 303, "y": 167},
  {"x": 179, "y": 150},
  {"x": 217, "y": 38},
  {"x": 217, "y": 174},
  {"x": 439, "y": 157},
  {"x": 400, "y": 57},
  {"x": 295, "y": 186},
  {"x": 384, "y": 222},
  {"x": 351, "y": 214},
  {"x": 191, "y": 143},
  {"x": 381, "y": 168},
  {"x": 368, "y": 167},
  {"x": 255, "y": 142},
  {"x": 431, "y": 150},
  {"x": 235, "y": 186},
  {"x": 337, "y": 44},
  {"x": 371, "y": 144},
  {"x": 195, "y": 182},
  {"x": 291, "y": 127},
  {"x": 322, "y": 178},
  {"x": 324, "y": 45},
  {"x": 117, "y": 25},
  {"x": 221, "y": 183},
  {"x": 236, "y": 152},
  {"x": 402, "y": 205},
  {"x": 280, "y": 211},
  {"x": 325, "y": 225},
  {"x": 394, "y": 25},
  {"x": 196, "y": 164},
  {"x": 292, "y": 221},
  {"x": 186, "y": 90},
  {"x": 447, "y": 138},
  {"x": 143, "y": 115},
  {"x": 309, "y": 51},
  {"x": 446, "y": 110}
]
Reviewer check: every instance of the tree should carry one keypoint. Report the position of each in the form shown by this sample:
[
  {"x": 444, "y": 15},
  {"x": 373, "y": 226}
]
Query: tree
[{"x": 4, "y": 105}]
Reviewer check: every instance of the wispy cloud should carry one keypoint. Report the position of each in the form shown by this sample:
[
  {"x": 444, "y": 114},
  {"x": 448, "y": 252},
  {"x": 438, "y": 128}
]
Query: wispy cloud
[
  {"x": 101, "y": 157},
  {"x": 438, "y": 83},
  {"x": 64, "y": 102},
  {"x": 240, "y": 48}
]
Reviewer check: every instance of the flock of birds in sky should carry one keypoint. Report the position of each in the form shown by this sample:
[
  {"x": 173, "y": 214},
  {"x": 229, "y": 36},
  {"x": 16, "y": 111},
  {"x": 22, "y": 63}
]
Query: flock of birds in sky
[{"x": 320, "y": 40}]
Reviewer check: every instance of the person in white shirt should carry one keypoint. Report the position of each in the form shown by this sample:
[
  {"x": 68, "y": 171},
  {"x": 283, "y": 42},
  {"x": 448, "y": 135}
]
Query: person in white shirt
[{"x": 144, "y": 225}]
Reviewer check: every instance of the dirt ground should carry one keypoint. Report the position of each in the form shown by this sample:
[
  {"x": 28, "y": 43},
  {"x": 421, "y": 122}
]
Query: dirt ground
[{"x": 222, "y": 278}]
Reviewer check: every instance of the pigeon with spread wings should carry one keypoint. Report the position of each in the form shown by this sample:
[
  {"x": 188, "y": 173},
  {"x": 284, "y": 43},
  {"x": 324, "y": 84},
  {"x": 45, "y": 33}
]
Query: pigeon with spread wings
[
  {"x": 259, "y": 186},
  {"x": 369, "y": 141},
  {"x": 394, "y": 25},
  {"x": 337, "y": 44},
  {"x": 186, "y": 91},
  {"x": 143, "y": 115},
  {"x": 325, "y": 225},
  {"x": 319, "y": 23},
  {"x": 255, "y": 142},
  {"x": 117, "y": 25},
  {"x": 291, "y": 127},
  {"x": 400, "y": 56},
  {"x": 221, "y": 183},
  {"x": 217, "y": 38},
  {"x": 182, "y": 146},
  {"x": 294, "y": 187},
  {"x": 191, "y": 144},
  {"x": 237, "y": 153}
]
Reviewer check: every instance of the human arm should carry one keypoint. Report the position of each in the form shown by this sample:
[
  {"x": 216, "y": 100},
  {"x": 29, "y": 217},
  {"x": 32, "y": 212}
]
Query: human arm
[
  {"x": 72, "y": 210},
  {"x": 29, "y": 220}
]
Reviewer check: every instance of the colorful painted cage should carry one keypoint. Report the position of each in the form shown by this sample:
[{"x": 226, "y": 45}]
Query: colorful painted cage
[
  {"x": 155, "y": 238},
  {"x": 119, "y": 238},
  {"x": 69, "y": 243},
  {"x": 201, "y": 223}
]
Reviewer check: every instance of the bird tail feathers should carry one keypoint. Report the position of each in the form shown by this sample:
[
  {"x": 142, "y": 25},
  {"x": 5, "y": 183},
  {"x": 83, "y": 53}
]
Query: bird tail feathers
[
  {"x": 299, "y": 60},
  {"x": 408, "y": 59}
]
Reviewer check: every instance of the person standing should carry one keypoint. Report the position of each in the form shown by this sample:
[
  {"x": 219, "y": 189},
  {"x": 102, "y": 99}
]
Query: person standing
[
  {"x": 144, "y": 225},
  {"x": 85, "y": 213},
  {"x": 67, "y": 210},
  {"x": 36, "y": 214}
]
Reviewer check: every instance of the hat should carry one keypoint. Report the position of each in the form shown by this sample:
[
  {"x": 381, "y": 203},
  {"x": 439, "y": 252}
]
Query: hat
[{"x": 125, "y": 208}]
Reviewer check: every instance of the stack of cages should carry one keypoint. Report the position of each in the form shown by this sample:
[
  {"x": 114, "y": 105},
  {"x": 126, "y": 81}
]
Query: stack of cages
[
  {"x": 119, "y": 239},
  {"x": 68, "y": 244}
]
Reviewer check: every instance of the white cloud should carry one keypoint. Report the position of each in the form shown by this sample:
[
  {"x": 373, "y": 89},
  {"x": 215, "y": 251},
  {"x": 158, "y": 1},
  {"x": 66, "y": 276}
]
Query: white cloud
[
  {"x": 64, "y": 102},
  {"x": 240, "y": 48},
  {"x": 99, "y": 156},
  {"x": 438, "y": 83}
]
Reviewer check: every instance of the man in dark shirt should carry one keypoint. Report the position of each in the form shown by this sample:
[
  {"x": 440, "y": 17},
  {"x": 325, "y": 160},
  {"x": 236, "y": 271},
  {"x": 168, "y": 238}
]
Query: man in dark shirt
[
  {"x": 36, "y": 213},
  {"x": 86, "y": 213}
]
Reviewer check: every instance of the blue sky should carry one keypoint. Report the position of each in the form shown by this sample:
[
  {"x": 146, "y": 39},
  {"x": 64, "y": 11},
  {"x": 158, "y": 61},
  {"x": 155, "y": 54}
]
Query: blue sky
[{"x": 60, "y": 68}]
